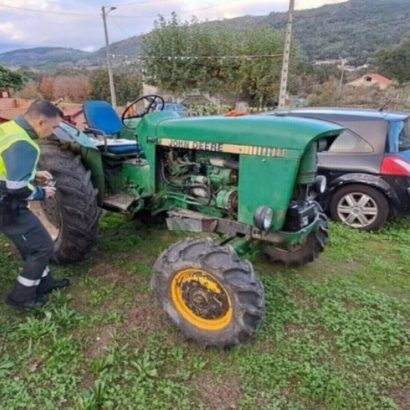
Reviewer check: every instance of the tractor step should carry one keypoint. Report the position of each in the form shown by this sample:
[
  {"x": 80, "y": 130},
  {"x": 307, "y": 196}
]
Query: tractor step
[{"x": 119, "y": 201}]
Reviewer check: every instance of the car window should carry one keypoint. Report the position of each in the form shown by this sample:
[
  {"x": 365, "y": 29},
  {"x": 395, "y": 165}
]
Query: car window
[
  {"x": 350, "y": 142},
  {"x": 173, "y": 107},
  {"x": 399, "y": 136}
]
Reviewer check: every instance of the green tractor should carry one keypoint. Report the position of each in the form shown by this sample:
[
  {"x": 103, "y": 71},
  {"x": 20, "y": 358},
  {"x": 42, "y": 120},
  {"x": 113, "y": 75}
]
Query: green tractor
[{"x": 250, "y": 181}]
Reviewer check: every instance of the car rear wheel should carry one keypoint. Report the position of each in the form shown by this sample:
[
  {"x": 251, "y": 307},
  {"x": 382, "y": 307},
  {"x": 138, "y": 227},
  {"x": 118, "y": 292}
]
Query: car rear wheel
[{"x": 360, "y": 207}]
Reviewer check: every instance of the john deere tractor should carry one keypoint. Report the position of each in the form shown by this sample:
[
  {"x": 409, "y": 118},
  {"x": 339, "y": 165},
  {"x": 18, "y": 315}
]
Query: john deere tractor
[{"x": 250, "y": 181}]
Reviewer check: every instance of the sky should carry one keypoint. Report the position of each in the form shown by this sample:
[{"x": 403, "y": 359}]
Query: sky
[{"x": 78, "y": 23}]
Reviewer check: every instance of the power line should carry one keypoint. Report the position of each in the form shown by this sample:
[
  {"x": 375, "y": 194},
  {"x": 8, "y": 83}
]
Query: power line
[
  {"x": 81, "y": 14},
  {"x": 244, "y": 56},
  {"x": 63, "y": 13},
  {"x": 121, "y": 28},
  {"x": 211, "y": 6},
  {"x": 133, "y": 3},
  {"x": 208, "y": 6},
  {"x": 137, "y": 3}
]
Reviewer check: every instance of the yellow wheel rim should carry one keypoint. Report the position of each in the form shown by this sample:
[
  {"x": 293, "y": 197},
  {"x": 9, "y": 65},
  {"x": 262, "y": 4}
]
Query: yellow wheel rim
[{"x": 201, "y": 299}]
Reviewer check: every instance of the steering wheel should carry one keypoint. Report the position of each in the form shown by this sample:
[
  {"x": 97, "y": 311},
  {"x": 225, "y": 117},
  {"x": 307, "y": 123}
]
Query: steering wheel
[{"x": 155, "y": 103}]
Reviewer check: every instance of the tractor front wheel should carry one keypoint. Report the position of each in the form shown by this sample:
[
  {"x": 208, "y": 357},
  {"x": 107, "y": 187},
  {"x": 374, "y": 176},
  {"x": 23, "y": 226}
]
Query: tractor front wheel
[
  {"x": 209, "y": 292},
  {"x": 304, "y": 253}
]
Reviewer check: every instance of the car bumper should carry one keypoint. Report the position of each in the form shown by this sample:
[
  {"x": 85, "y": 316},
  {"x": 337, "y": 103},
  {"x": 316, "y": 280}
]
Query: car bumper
[{"x": 401, "y": 187}]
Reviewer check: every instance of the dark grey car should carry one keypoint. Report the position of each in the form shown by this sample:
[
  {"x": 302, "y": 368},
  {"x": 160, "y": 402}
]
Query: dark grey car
[{"x": 367, "y": 167}]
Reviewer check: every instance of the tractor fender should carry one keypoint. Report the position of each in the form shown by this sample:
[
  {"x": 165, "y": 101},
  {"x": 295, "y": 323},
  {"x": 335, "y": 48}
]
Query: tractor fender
[
  {"x": 90, "y": 155},
  {"x": 375, "y": 181},
  {"x": 68, "y": 133}
]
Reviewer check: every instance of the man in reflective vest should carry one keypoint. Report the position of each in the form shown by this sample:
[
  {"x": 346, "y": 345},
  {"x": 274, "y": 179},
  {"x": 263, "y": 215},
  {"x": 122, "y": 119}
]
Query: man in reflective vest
[{"x": 19, "y": 155}]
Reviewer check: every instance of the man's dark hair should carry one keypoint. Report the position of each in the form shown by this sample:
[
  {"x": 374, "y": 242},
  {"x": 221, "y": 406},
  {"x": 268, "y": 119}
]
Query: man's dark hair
[{"x": 45, "y": 109}]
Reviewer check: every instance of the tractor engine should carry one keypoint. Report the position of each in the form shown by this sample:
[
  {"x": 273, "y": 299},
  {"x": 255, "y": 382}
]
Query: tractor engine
[
  {"x": 209, "y": 179},
  {"x": 202, "y": 178}
]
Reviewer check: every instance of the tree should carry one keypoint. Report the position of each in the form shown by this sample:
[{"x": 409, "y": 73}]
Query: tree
[
  {"x": 10, "y": 79},
  {"x": 259, "y": 77},
  {"x": 326, "y": 94},
  {"x": 30, "y": 91},
  {"x": 310, "y": 76},
  {"x": 74, "y": 88},
  {"x": 182, "y": 56},
  {"x": 395, "y": 62},
  {"x": 47, "y": 87},
  {"x": 128, "y": 86}
]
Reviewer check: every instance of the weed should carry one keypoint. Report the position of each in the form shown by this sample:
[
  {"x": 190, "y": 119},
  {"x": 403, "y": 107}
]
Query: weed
[{"x": 336, "y": 333}]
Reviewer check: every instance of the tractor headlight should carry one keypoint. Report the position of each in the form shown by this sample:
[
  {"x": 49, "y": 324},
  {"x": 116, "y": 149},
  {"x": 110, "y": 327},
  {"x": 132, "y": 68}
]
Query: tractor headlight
[
  {"x": 264, "y": 218},
  {"x": 321, "y": 184}
]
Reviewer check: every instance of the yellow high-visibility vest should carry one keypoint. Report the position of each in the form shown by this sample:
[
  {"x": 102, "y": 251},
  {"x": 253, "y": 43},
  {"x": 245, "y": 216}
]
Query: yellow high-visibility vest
[{"x": 10, "y": 133}]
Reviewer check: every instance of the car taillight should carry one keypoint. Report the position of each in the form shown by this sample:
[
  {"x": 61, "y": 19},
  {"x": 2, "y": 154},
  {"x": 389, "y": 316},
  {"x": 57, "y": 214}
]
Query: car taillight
[{"x": 392, "y": 165}]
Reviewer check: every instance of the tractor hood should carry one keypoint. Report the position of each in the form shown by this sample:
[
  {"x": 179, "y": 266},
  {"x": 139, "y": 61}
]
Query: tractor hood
[{"x": 284, "y": 132}]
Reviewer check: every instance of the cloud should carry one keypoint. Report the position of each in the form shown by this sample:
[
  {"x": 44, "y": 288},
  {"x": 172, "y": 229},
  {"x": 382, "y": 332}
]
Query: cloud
[
  {"x": 78, "y": 24},
  {"x": 39, "y": 28},
  {"x": 88, "y": 48},
  {"x": 9, "y": 31},
  {"x": 230, "y": 9},
  {"x": 311, "y": 4},
  {"x": 234, "y": 8},
  {"x": 37, "y": 4}
]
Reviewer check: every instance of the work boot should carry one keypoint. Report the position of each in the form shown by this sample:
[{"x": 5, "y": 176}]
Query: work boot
[
  {"x": 25, "y": 297},
  {"x": 26, "y": 305},
  {"x": 48, "y": 284}
]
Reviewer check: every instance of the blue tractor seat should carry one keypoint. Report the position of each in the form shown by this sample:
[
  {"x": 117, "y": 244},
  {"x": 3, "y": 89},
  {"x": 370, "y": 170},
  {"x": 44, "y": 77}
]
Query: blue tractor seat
[{"x": 103, "y": 119}]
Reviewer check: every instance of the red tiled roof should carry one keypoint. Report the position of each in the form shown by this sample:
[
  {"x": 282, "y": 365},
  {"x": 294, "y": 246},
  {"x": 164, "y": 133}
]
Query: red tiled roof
[
  {"x": 10, "y": 108},
  {"x": 381, "y": 79},
  {"x": 11, "y": 113}
]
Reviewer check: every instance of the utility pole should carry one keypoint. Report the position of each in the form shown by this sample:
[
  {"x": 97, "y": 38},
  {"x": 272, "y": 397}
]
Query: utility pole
[
  {"x": 108, "y": 55},
  {"x": 286, "y": 57},
  {"x": 342, "y": 68}
]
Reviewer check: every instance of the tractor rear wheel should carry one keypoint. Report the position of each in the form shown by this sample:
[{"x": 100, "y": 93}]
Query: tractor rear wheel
[
  {"x": 209, "y": 292},
  {"x": 303, "y": 253},
  {"x": 72, "y": 216}
]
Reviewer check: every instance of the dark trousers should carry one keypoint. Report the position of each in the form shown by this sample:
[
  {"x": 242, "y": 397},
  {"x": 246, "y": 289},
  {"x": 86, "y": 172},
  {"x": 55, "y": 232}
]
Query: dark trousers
[{"x": 36, "y": 248}]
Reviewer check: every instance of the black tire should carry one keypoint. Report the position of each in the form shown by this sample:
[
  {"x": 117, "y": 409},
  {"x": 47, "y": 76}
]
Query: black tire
[
  {"x": 369, "y": 217},
  {"x": 237, "y": 294},
  {"x": 302, "y": 254},
  {"x": 74, "y": 208},
  {"x": 146, "y": 218}
]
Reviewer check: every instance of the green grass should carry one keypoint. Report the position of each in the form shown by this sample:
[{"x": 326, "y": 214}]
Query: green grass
[{"x": 336, "y": 335}]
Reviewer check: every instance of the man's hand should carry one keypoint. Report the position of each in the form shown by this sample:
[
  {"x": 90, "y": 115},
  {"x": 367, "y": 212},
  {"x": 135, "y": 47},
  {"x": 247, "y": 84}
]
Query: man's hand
[
  {"x": 43, "y": 177},
  {"x": 50, "y": 191}
]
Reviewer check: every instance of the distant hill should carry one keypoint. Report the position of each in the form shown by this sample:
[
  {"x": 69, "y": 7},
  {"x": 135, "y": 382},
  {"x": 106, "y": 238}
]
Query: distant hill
[
  {"x": 123, "y": 50},
  {"x": 42, "y": 57},
  {"x": 353, "y": 30}
]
